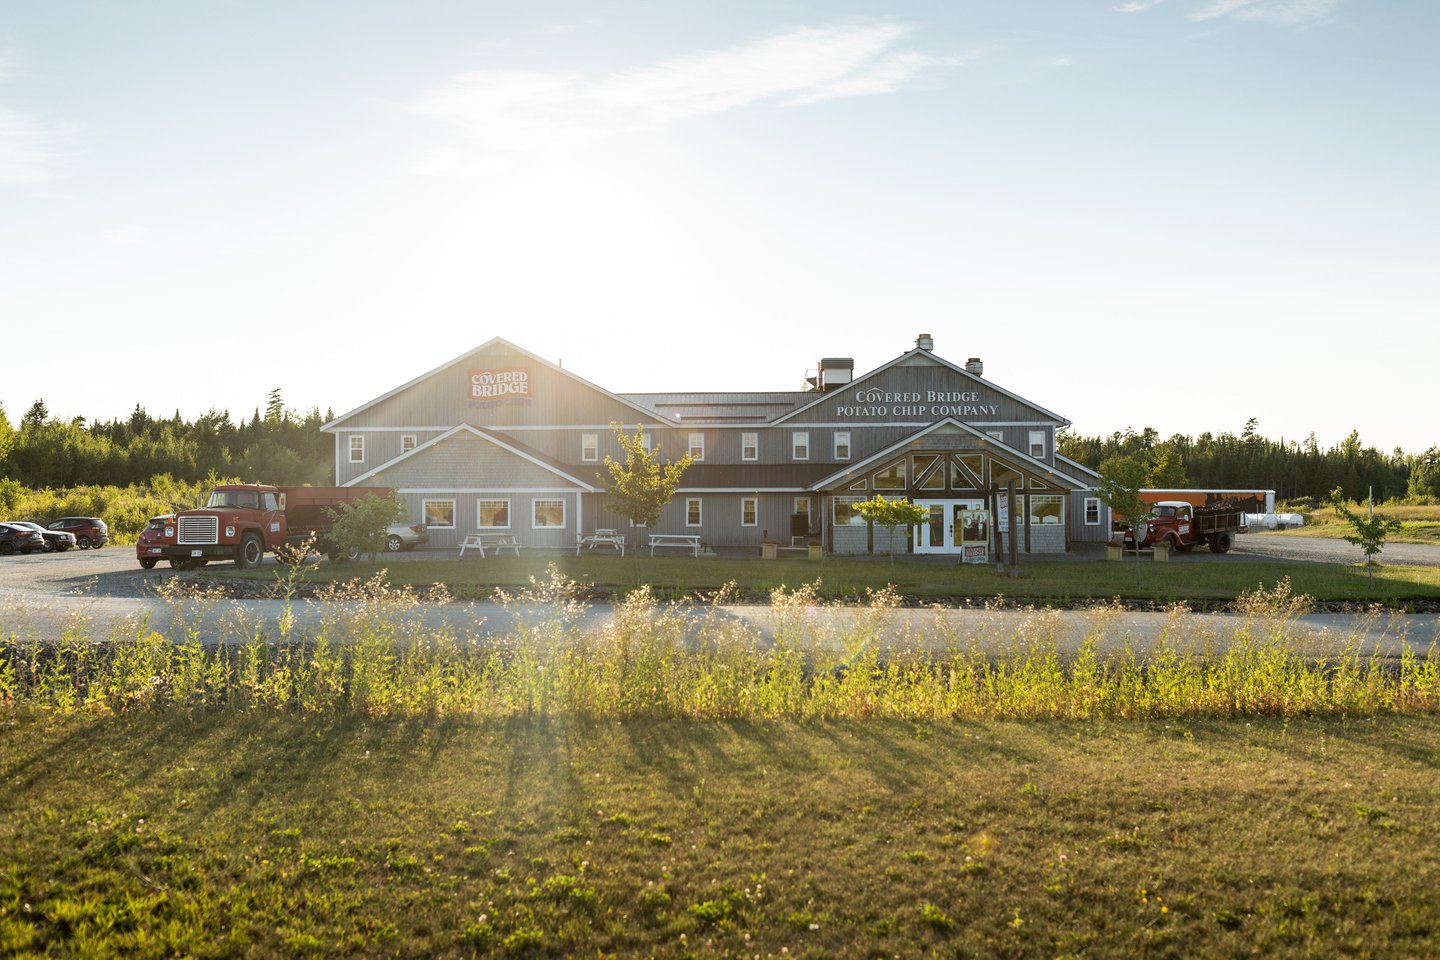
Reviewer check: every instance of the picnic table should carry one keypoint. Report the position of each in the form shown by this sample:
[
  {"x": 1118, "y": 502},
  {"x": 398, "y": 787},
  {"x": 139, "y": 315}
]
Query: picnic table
[
  {"x": 602, "y": 537},
  {"x": 684, "y": 540},
  {"x": 494, "y": 542}
]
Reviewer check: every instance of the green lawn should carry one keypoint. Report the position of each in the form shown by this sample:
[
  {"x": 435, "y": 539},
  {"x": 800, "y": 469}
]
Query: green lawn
[
  {"x": 216, "y": 833},
  {"x": 1056, "y": 580}
]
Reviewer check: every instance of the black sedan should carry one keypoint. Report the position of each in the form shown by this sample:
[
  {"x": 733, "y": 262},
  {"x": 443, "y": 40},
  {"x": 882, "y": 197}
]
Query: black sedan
[
  {"x": 55, "y": 540},
  {"x": 17, "y": 539}
]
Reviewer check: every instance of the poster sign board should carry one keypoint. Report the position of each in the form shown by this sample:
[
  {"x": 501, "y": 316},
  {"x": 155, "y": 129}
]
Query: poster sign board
[{"x": 975, "y": 536}]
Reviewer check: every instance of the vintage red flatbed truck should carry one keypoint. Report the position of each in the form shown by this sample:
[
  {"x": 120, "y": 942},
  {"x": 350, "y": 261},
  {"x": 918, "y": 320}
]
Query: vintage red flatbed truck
[
  {"x": 244, "y": 521},
  {"x": 1182, "y": 525}
]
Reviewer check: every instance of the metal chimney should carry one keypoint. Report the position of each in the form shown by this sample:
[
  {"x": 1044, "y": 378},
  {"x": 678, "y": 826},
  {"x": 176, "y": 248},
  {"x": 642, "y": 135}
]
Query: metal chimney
[
  {"x": 973, "y": 365},
  {"x": 925, "y": 342}
]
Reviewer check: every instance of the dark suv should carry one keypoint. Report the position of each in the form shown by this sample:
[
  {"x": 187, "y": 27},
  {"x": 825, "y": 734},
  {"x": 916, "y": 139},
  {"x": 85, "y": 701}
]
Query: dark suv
[{"x": 89, "y": 531}]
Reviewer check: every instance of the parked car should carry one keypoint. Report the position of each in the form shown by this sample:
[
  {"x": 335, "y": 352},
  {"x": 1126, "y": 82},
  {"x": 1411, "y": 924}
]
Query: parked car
[
  {"x": 55, "y": 540},
  {"x": 406, "y": 536},
  {"x": 18, "y": 539},
  {"x": 88, "y": 531},
  {"x": 159, "y": 531}
]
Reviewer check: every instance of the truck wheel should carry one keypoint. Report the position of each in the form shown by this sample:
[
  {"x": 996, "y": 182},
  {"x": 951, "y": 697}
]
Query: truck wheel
[
  {"x": 394, "y": 544},
  {"x": 148, "y": 563},
  {"x": 1220, "y": 543},
  {"x": 250, "y": 552}
]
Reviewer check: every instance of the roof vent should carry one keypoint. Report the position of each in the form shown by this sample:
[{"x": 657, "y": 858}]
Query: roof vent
[
  {"x": 836, "y": 372},
  {"x": 925, "y": 342},
  {"x": 973, "y": 365}
]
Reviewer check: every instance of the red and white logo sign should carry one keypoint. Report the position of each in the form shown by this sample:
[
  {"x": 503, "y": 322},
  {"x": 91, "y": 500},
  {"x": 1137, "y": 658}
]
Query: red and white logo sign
[{"x": 488, "y": 386}]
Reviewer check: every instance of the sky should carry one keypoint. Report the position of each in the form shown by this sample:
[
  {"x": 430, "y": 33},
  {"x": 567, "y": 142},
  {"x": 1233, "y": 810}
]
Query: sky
[{"x": 1178, "y": 214}]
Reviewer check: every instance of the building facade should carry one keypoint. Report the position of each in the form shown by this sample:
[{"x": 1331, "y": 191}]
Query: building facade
[{"x": 499, "y": 440}]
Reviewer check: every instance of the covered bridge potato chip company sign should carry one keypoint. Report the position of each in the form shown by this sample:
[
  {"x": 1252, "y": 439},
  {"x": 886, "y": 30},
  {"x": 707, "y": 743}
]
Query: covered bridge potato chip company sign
[{"x": 491, "y": 386}]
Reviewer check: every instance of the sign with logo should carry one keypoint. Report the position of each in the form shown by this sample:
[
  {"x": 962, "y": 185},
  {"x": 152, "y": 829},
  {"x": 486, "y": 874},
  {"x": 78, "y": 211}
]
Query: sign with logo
[
  {"x": 975, "y": 536},
  {"x": 493, "y": 386},
  {"x": 870, "y": 404}
]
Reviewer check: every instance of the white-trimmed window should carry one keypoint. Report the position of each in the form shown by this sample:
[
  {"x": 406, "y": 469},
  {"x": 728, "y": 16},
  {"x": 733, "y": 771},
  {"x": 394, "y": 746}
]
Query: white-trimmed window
[
  {"x": 1046, "y": 508},
  {"x": 589, "y": 447},
  {"x": 408, "y": 442},
  {"x": 357, "y": 448},
  {"x": 547, "y": 514},
  {"x": 800, "y": 445},
  {"x": 891, "y": 478},
  {"x": 694, "y": 513},
  {"x": 845, "y": 513},
  {"x": 749, "y": 511},
  {"x": 802, "y": 506},
  {"x": 1092, "y": 511},
  {"x": 492, "y": 514},
  {"x": 645, "y": 442},
  {"x": 749, "y": 446},
  {"x": 1037, "y": 444},
  {"x": 439, "y": 514},
  {"x": 697, "y": 446},
  {"x": 996, "y": 435},
  {"x": 842, "y": 444}
]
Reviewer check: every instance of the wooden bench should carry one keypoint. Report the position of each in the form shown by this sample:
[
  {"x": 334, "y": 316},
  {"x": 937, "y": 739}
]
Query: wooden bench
[
  {"x": 687, "y": 541},
  {"x": 603, "y": 537},
  {"x": 494, "y": 542}
]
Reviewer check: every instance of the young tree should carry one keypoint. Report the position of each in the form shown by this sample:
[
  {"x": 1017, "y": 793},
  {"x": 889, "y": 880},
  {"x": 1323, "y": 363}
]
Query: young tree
[
  {"x": 361, "y": 525},
  {"x": 1369, "y": 531},
  {"x": 639, "y": 488},
  {"x": 891, "y": 514},
  {"x": 1120, "y": 481}
]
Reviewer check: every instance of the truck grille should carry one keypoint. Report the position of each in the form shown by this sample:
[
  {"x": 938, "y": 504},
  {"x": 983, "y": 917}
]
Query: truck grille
[{"x": 198, "y": 530}]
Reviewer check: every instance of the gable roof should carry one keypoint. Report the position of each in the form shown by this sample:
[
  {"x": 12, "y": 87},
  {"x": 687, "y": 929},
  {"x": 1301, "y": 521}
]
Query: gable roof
[
  {"x": 1010, "y": 452},
  {"x": 493, "y": 342},
  {"x": 538, "y": 459},
  {"x": 938, "y": 361}
]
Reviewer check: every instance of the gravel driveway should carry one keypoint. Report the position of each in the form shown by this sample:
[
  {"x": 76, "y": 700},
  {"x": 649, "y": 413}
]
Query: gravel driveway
[{"x": 1279, "y": 546}]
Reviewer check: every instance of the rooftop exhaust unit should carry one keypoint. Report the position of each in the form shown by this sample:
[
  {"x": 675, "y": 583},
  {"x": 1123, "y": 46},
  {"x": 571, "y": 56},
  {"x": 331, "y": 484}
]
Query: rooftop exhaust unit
[
  {"x": 925, "y": 342},
  {"x": 973, "y": 365},
  {"x": 833, "y": 372}
]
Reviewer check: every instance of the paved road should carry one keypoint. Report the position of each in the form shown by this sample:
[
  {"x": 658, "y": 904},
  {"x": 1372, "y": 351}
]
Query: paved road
[{"x": 41, "y": 594}]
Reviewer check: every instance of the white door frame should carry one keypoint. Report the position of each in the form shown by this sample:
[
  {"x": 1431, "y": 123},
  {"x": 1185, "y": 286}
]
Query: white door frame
[{"x": 948, "y": 522}]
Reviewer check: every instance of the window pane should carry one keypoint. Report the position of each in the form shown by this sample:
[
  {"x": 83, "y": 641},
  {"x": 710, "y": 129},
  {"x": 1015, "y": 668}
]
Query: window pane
[
  {"x": 549, "y": 513},
  {"x": 845, "y": 514},
  {"x": 800, "y": 446},
  {"x": 1092, "y": 511},
  {"x": 747, "y": 511},
  {"x": 842, "y": 445},
  {"x": 749, "y": 446},
  {"x": 589, "y": 447},
  {"x": 692, "y": 511},
  {"x": 697, "y": 446},
  {"x": 1046, "y": 508},
  {"x": 891, "y": 478},
  {"x": 440, "y": 514},
  {"x": 493, "y": 514}
]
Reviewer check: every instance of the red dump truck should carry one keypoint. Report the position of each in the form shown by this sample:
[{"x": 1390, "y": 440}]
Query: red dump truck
[
  {"x": 1182, "y": 525},
  {"x": 244, "y": 521}
]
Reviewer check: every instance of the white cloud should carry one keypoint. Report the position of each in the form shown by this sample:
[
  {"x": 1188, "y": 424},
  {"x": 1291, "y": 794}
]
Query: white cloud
[
  {"x": 505, "y": 112},
  {"x": 1288, "y": 13},
  {"x": 24, "y": 153},
  {"x": 1137, "y": 6},
  {"x": 1060, "y": 62}
]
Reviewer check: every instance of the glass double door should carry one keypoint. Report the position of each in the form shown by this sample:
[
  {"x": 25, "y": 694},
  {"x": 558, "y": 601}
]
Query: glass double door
[{"x": 943, "y": 528}]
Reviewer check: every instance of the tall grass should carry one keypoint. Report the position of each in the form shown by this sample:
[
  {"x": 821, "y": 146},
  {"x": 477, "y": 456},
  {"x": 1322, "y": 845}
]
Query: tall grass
[{"x": 370, "y": 654}]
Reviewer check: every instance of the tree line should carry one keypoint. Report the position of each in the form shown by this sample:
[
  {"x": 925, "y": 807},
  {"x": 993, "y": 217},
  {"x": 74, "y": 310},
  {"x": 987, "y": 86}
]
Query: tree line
[
  {"x": 278, "y": 446},
  {"x": 1296, "y": 471}
]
